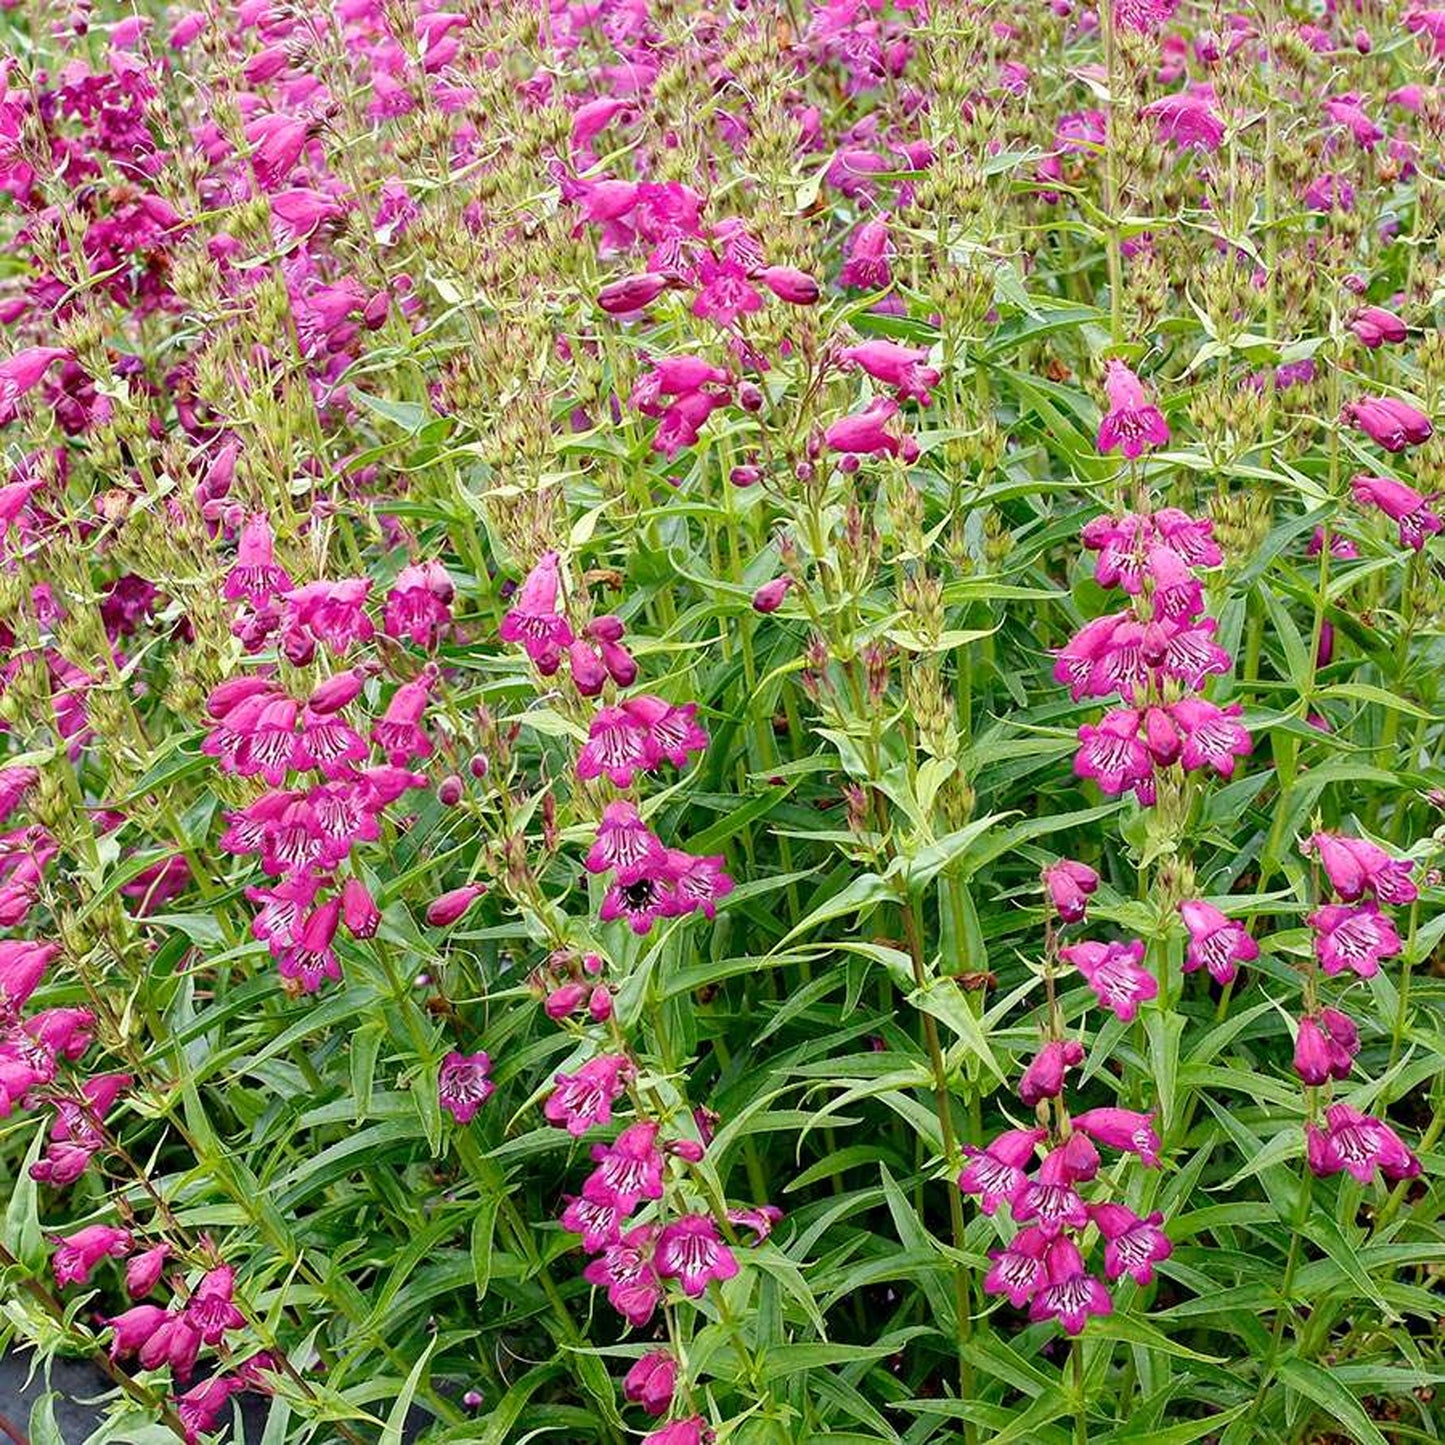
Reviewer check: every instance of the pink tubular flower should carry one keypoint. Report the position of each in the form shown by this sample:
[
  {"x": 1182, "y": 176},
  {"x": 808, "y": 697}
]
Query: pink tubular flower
[
  {"x": 586, "y": 1098},
  {"x": 652, "y": 1381},
  {"x": 694, "y": 1430},
  {"x": 1324, "y": 1048},
  {"x": 1212, "y": 737},
  {"x": 625, "y": 1269},
  {"x": 904, "y": 368},
  {"x": 1122, "y": 1129},
  {"x": 1018, "y": 1270},
  {"x": 255, "y": 577},
  {"x": 996, "y": 1172},
  {"x": 596, "y": 1217},
  {"x": 1112, "y": 752},
  {"x": 22, "y": 373},
  {"x": 1132, "y": 423},
  {"x": 464, "y": 1085},
  {"x": 1044, "y": 1077},
  {"x": 399, "y": 733},
  {"x": 209, "y": 1311},
  {"x": 691, "y": 1251},
  {"x": 419, "y": 605},
  {"x": 533, "y": 619},
  {"x": 311, "y": 958},
  {"x": 866, "y": 433},
  {"x": 23, "y": 963},
  {"x": 200, "y": 1409},
  {"x": 1358, "y": 1143},
  {"x": 629, "y": 1169},
  {"x": 1116, "y": 973},
  {"x": 79, "y": 1253},
  {"x": 626, "y": 844},
  {"x": 769, "y": 597},
  {"x": 1215, "y": 942},
  {"x": 1069, "y": 1293},
  {"x": 1356, "y": 866},
  {"x": 788, "y": 284},
  {"x": 1051, "y": 1197},
  {"x": 143, "y": 1271},
  {"x": 358, "y": 909},
  {"x": 133, "y": 1328},
  {"x": 1188, "y": 121},
  {"x": 632, "y": 293},
  {"x": 1133, "y": 1245},
  {"x": 1392, "y": 423},
  {"x": 1401, "y": 504},
  {"x": 1374, "y": 326},
  {"x": 448, "y": 909},
  {"x": 1069, "y": 886},
  {"x": 869, "y": 251},
  {"x": 332, "y": 612},
  {"x": 1354, "y": 937}
]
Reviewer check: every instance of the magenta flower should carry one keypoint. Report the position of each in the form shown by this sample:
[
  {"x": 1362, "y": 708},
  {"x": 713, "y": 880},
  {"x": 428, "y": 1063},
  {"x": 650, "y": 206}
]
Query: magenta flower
[
  {"x": 1121, "y": 1129},
  {"x": 869, "y": 250},
  {"x": 1324, "y": 1047},
  {"x": 644, "y": 900},
  {"x": 1133, "y": 1246},
  {"x": 418, "y": 607},
  {"x": 692, "y": 1431},
  {"x": 1069, "y": 1294},
  {"x": 631, "y": 294},
  {"x": 448, "y": 909},
  {"x": 1374, "y": 326},
  {"x": 175, "y": 1342},
  {"x": 1132, "y": 423},
  {"x": 1392, "y": 423},
  {"x": 203, "y": 1406},
  {"x": 596, "y": 1217},
  {"x": 1357, "y": 938},
  {"x": 904, "y": 368},
  {"x": 358, "y": 909},
  {"x": 332, "y": 612},
  {"x": 629, "y": 1169},
  {"x": 23, "y": 963},
  {"x": 1358, "y": 1143},
  {"x": 1105, "y": 657},
  {"x": 399, "y": 733},
  {"x": 22, "y": 373},
  {"x": 1212, "y": 737},
  {"x": 1187, "y": 120},
  {"x": 79, "y": 1253},
  {"x": 255, "y": 576},
  {"x": 1044, "y": 1077},
  {"x": 625, "y": 844},
  {"x": 143, "y": 1272},
  {"x": 586, "y": 1098},
  {"x": 789, "y": 284},
  {"x": 1356, "y": 866},
  {"x": 1144, "y": 17},
  {"x": 464, "y": 1084},
  {"x": 1348, "y": 112},
  {"x": 209, "y": 1311},
  {"x": 769, "y": 597},
  {"x": 866, "y": 433},
  {"x": 533, "y": 619},
  {"x": 1215, "y": 942},
  {"x": 133, "y": 1328},
  {"x": 1184, "y": 652},
  {"x": 996, "y": 1172},
  {"x": 1112, "y": 752},
  {"x": 625, "y": 1270},
  {"x": 1051, "y": 1197},
  {"x": 697, "y": 884},
  {"x": 1069, "y": 886},
  {"x": 691, "y": 1251},
  {"x": 1116, "y": 974},
  {"x": 1018, "y": 1270},
  {"x": 1402, "y": 504},
  {"x": 652, "y": 1381},
  {"x": 311, "y": 959}
]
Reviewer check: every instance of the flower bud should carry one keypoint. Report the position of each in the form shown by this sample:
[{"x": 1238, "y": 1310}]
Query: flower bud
[
  {"x": 769, "y": 597},
  {"x": 444, "y": 911}
]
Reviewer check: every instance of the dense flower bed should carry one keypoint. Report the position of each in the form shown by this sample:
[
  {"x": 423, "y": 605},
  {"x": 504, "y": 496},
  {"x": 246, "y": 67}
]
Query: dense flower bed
[{"x": 722, "y": 722}]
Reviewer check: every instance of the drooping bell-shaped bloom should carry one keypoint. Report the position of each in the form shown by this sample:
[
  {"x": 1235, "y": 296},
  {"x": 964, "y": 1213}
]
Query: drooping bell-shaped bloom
[
  {"x": 202, "y": 1408},
  {"x": 866, "y": 433},
  {"x": 1112, "y": 753},
  {"x": 23, "y": 963},
  {"x": 1392, "y": 423},
  {"x": 692, "y": 1251},
  {"x": 1374, "y": 326},
  {"x": 358, "y": 909},
  {"x": 1356, "y": 937},
  {"x": 1116, "y": 973},
  {"x": 1132, "y": 1245},
  {"x": 586, "y": 1097},
  {"x": 1132, "y": 424},
  {"x": 1069, "y": 1294},
  {"x": 334, "y": 613},
  {"x": 1318, "y": 1057},
  {"x": 626, "y": 1271},
  {"x": 22, "y": 373},
  {"x": 652, "y": 1381},
  {"x": 1050, "y": 1198},
  {"x": 693, "y": 1430},
  {"x": 1356, "y": 866},
  {"x": 255, "y": 576},
  {"x": 464, "y": 1084},
  {"x": 311, "y": 959},
  {"x": 629, "y": 1169},
  {"x": 1216, "y": 943},
  {"x": 533, "y": 619},
  {"x": 210, "y": 1311},
  {"x": 79, "y": 1253},
  {"x": 905, "y": 368},
  {"x": 1402, "y": 504},
  {"x": 133, "y": 1328},
  {"x": 996, "y": 1172},
  {"x": 1018, "y": 1270},
  {"x": 419, "y": 605},
  {"x": 1044, "y": 1077},
  {"x": 1212, "y": 736},
  {"x": 625, "y": 844},
  {"x": 1358, "y": 1143},
  {"x": 1069, "y": 885},
  {"x": 143, "y": 1271},
  {"x": 1122, "y": 1129},
  {"x": 868, "y": 253},
  {"x": 1187, "y": 120},
  {"x": 596, "y": 1217}
]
